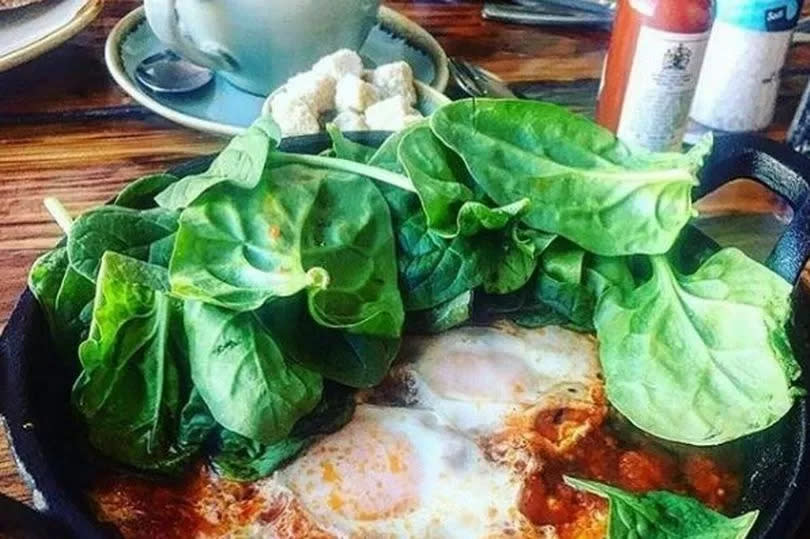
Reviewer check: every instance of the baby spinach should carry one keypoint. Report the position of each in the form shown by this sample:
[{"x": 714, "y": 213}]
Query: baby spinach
[
  {"x": 663, "y": 515},
  {"x": 243, "y": 376},
  {"x": 302, "y": 228},
  {"x": 130, "y": 392},
  {"x": 348, "y": 233},
  {"x": 241, "y": 163},
  {"x": 241, "y": 459},
  {"x": 66, "y": 298},
  {"x": 680, "y": 351},
  {"x": 432, "y": 269},
  {"x": 196, "y": 422},
  {"x": 140, "y": 194},
  {"x": 353, "y": 360},
  {"x": 442, "y": 317},
  {"x": 143, "y": 234},
  {"x": 237, "y": 247},
  {"x": 344, "y": 148},
  {"x": 560, "y": 284},
  {"x": 441, "y": 180},
  {"x": 522, "y": 307},
  {"x": 582, "y": 182}
]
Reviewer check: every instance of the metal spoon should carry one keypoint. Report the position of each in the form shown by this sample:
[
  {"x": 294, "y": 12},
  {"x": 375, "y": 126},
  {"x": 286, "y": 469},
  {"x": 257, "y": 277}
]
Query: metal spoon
[{"x": 168, "y": 73}]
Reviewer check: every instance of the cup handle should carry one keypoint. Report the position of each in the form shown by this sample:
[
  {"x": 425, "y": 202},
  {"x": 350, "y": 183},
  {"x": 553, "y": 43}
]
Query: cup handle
[{"x": 165, "y": 21}]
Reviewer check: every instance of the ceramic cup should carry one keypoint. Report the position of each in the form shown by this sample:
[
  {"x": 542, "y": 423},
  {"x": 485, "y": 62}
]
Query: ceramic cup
[{"x": 258, "y": 44}]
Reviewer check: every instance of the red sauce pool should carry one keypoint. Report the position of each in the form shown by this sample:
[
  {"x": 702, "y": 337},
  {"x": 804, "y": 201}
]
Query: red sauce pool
[
  {"x": 141, "y": 508},
  {"x": 602, "y": 456}
]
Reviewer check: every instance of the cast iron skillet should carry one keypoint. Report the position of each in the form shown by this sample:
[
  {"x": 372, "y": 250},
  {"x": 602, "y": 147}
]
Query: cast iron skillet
[{"x": 35, "y": 386}]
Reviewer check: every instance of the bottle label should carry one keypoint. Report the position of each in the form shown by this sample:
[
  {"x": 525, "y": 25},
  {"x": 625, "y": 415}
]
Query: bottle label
[
  {"x": 660, "y": 88},
  {"x": 760, "y": 15}
]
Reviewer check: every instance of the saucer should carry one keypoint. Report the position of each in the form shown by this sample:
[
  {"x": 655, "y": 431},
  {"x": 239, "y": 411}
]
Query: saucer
[{"x": 222, "y": 108}]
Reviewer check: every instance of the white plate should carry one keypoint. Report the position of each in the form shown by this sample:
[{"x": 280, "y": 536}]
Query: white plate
[{"x": 28, "y": 31}]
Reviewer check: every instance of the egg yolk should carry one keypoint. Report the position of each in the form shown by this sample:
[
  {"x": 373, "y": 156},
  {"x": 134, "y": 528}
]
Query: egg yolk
[{"x": 363, "y": 473}]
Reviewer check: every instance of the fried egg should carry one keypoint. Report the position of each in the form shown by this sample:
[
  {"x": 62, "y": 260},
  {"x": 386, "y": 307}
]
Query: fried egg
[
  {"x": 497, "y": 380},
  {"x": 445, "y": 447},
  {"x": 403, "y": 472}
]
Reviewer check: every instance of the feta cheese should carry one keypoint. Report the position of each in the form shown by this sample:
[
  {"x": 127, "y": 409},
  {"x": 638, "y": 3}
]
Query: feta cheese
[
  {"x": 315, "y": 89},
  {"x": 350, "y": 121},
  {"x": 339, "y": 64},
  {"x": 390, "y": 114},
  {"x": 353, "y": 93},
  {"x": 293, "y": 115},
  {"x": 395, "y": 79}
]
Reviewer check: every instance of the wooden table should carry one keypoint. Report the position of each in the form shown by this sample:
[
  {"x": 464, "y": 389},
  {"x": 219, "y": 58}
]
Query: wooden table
[{"x": 67, "y": 130}]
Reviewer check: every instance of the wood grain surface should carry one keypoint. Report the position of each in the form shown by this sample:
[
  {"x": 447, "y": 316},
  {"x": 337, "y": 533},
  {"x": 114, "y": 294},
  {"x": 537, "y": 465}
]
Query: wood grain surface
[{"x": 67, "y": 130}]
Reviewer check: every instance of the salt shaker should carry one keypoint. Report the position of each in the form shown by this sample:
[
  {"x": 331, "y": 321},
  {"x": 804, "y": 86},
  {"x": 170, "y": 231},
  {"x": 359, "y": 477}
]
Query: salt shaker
[{"x": 740, "y": 76}]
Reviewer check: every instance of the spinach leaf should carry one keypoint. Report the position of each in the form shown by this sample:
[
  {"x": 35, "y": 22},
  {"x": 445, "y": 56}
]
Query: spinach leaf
[
  {"x": 241, "y": 163},
  {"x": 344, "y": 148},
  {"x": 66, "y": 298},
  {"x": 582, "y": 182},
  {"x": 140, "y": 194},
  {"x": 129, "y": 392},
  {"x": 243, "y": 376},
  {"x": 352, "y": 360},
  {"x": 431, "y": 272},
  {"x": 560, "y": 284},
  {"x": 443, "y": 317},
  {"x": 135, "y": 233},
  {"x": 602, "y": 273},
  {"x": 442, "y": 181},
  {"x": 348, "y": 234},
  {"x": 237, "y": 248},
  {"x": 522, "y": 307},
  {"x": 663, "y": 515},
  {"x": 435, "y": 270},
  {"x": 680, "y": 351},
  {"x": 300, "y": 228},
  {"x": 241, "y": 459},
  {"x": 196, "y": 422}
]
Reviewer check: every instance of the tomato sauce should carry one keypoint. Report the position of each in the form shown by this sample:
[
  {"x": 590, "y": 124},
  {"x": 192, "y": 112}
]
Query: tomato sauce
[
  {"x": 198, "y": 504},
  {"x": 203, "y": 504},
  {"x": 603, "y": 456}
]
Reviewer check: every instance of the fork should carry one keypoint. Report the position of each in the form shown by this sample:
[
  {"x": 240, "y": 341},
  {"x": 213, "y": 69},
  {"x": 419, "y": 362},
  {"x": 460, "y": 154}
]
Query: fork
[{"x": 477, "y": 82}]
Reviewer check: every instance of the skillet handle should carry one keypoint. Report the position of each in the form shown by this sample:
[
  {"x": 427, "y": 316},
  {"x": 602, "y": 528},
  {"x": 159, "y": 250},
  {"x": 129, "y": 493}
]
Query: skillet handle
[
  {"x": 22, "y": 522},
  {"x": 784, "y": 171}
]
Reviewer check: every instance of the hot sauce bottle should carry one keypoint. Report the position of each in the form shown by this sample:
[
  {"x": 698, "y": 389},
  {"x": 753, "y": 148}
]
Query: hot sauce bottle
[{"x": 652, "y": 68}]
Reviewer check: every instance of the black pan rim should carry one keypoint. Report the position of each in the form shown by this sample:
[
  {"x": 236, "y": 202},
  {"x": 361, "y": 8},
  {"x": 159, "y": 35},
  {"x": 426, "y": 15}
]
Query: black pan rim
[{"x": 55, "y": 499}]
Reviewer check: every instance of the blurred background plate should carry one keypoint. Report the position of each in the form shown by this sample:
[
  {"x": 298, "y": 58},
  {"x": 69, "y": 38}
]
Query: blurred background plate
[
  {"x": 29, "y": 31},
  {"x": 222, "y": 108}
]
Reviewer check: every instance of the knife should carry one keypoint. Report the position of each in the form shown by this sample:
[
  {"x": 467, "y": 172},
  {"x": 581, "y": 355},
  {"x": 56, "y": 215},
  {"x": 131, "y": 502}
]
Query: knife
[
  {"x": 552, "y": 16},
  {"x": 601, "y": 7}
]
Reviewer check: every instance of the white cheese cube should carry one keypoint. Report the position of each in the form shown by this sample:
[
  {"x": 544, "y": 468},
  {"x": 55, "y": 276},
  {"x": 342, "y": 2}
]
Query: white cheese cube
[
  {"x": 350, "y": 121},
  {"x": 390, "y": 114},
  {"x": 315, "y": 89},
  {"x": 339, "y": 64},
  {"x": 353, "y": 93},
  {"x": 293, "y": 115},
  {"x": 395, "y": 79}
]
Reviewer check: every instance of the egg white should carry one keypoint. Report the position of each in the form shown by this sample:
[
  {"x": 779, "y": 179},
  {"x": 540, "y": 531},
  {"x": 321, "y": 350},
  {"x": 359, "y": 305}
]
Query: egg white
[{"x": 401, "y": 472}]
